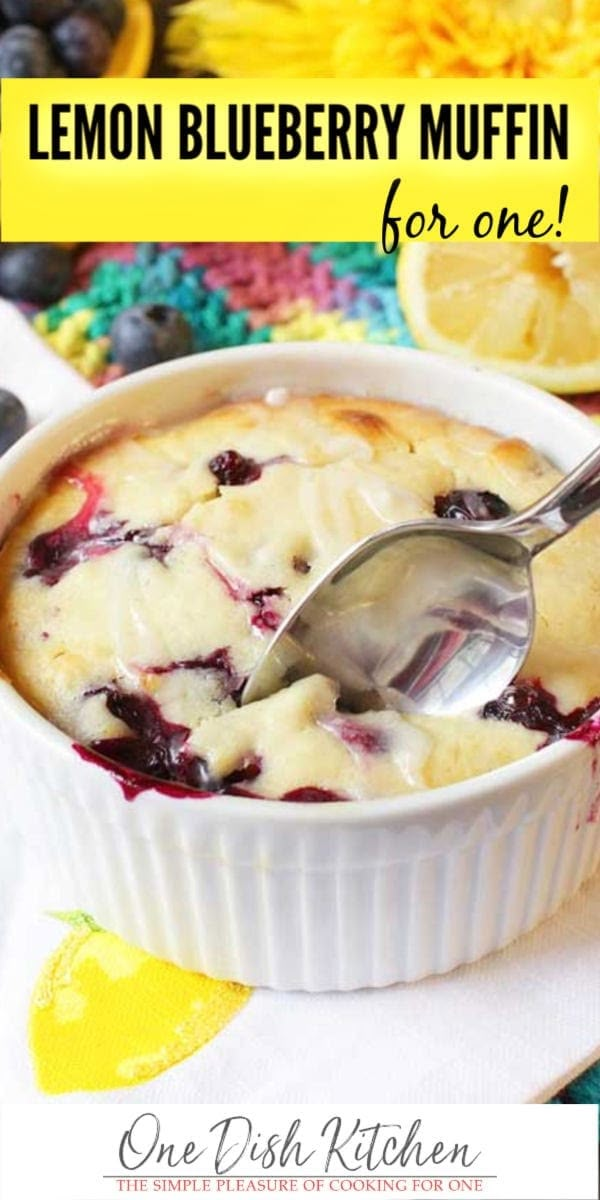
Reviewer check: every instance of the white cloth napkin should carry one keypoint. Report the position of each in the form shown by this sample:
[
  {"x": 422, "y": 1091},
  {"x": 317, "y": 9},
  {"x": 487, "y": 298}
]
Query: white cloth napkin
[
  {"x": 43, "y": 381},
  {"x": 513, "y": 1028}
]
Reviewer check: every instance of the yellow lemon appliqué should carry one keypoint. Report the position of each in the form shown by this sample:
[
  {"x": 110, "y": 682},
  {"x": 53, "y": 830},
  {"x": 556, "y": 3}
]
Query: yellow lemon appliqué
[{"x": 106, "y": 1015}]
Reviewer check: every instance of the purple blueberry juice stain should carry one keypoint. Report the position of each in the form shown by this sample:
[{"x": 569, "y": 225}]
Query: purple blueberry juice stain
[
  {"x": 356, "y": 735},
  {"x": 313, "y": 795},
  {"x": 91, "y": 533},
  {"x": 157, "y": 747},
  {"x": 249, "y": 770},
  {"x": 133, "y": 782},
  {"x": 266, "y": 619},
  {"x": 219, "y": 661},
  {"x": 156, "y": 751},
  {"x": 589, "y": 730},
  {"x": 143, "y": 537},
  {"x": 589, "y": 734},
  {"x": 154, "y": 756}
]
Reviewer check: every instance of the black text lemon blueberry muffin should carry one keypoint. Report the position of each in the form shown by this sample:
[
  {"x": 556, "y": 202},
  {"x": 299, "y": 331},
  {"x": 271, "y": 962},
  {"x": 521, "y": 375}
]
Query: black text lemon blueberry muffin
[{"x": 146, "y": 580}]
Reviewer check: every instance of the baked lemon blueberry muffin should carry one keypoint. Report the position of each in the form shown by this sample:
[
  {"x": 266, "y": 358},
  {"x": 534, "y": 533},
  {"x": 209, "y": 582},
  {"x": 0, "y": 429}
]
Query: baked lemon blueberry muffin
[{"x": 145, "y": 581}]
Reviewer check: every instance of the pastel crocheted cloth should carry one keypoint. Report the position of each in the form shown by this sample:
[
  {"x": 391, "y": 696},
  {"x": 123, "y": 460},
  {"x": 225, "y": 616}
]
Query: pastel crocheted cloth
[
  {"x": 231, "y": 294},
  {"x": 237, "y": 293}
]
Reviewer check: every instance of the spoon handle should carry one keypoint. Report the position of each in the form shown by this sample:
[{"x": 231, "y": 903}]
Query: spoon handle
[{"x": 573, "y": 499}]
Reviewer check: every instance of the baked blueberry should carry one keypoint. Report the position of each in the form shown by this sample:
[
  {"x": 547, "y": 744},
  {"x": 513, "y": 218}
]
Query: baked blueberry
[
  {"x": 234, "y": 470},
  {"x": 13, "y": 419},
  {"x": 150, "y": 333},
  {"x": 83, "y": 44},
  {"x": 528, "y": 703},
  {"x": 156, "y": 746},
  {"x": 465, "y": 504},
  {"x": 37, "y": 272}
]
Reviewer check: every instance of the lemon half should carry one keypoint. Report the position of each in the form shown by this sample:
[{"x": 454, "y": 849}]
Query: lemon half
[{"x": 529, "y": 310}]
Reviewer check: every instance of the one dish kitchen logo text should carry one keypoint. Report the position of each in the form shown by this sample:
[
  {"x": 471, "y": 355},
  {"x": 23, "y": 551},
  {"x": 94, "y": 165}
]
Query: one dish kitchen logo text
[{"x": 336, "y": 1154}]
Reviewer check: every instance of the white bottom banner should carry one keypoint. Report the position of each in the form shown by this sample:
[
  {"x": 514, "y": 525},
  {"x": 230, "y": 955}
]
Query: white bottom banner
[{"x": 99, "y": 1152}]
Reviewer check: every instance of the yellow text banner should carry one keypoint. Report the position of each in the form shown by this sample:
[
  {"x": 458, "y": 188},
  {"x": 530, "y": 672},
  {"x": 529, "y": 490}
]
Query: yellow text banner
[{"x": 235, "y": 160}]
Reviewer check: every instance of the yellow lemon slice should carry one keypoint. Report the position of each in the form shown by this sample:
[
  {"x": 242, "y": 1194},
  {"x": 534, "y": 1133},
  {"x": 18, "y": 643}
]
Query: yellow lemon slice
[
  {"x": 133, "y": 48},
  {"x": 533, "y": 311},
  {"x": 107, "y": 1015}
]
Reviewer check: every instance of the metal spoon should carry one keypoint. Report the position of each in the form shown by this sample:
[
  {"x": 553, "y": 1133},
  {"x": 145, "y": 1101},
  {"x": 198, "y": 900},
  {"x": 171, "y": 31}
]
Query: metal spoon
[{"x": 433, "y": 617}]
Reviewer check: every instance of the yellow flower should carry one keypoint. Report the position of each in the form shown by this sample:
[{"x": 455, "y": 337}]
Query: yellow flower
[{"x": 393, "y": 38}]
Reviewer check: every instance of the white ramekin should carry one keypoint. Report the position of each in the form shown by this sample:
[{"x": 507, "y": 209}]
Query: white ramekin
[{"x": 318, "y": 897}]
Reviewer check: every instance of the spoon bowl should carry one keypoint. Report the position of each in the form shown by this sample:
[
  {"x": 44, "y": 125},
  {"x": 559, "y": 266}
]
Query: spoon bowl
[
  {"x": 434, "y": 616},
  {"x": 462, "y": 600}
]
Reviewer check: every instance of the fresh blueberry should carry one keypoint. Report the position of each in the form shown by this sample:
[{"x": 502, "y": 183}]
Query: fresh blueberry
[
  {"x": 148, "y": 334},
  {"x": 83, "y": 44},
  {"x": 37, "y": 272},
  {"x": 110, "y": 12},
  {"x": 13, "y": 420},
  {"x": 35, "y": 12},
  {"x": 25, "y": 54}
]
